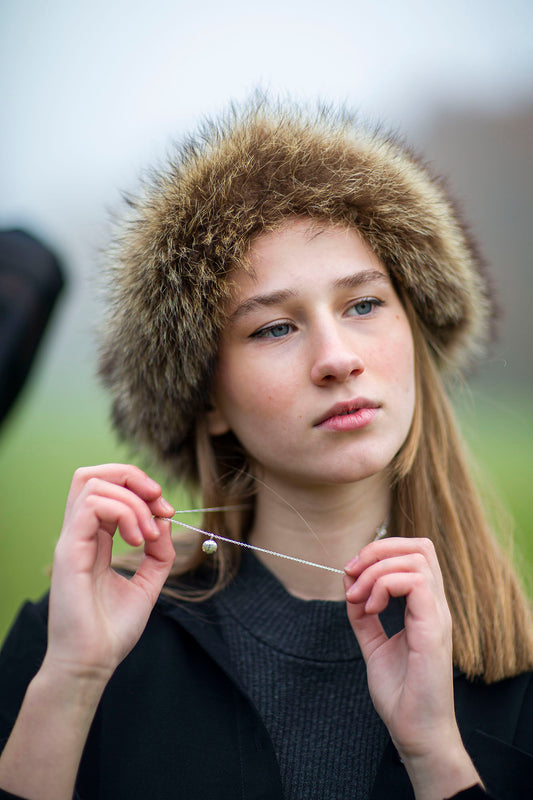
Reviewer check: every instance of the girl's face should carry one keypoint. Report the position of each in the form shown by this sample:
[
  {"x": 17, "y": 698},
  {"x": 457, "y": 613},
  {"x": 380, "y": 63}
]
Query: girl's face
[{"x": 316, "y": 362}]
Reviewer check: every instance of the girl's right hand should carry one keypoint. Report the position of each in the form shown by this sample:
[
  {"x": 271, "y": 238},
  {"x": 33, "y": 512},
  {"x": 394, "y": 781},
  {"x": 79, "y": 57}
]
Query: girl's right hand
[{"x": 97, "y": 615}]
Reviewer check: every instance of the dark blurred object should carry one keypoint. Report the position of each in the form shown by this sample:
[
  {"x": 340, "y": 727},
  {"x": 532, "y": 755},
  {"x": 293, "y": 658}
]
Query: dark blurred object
[{"x": 30, "y": 282}]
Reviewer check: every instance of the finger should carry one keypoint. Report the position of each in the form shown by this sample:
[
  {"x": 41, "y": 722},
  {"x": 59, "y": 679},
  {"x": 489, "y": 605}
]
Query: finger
[
  {"x": 95, "y": 523},
  {"x": 104, "y": 553},
  {"x": 126, "y": 475},
  {"x": 161, "y": 508},
  {"x": 156, "y": 564},
  {"x": 413, "y": 562},
  {"x": 421, "y": 601},
  {"x": 105, "y": 543},
  {"x": 165, "y": 528},
  {"x": 105, "y": 514},
  {"x": 394, "y": 546},
  {"x": 131, "y": 478},
  {"x": 96, "y": 488},
  {"x": 367, "y": 627}
]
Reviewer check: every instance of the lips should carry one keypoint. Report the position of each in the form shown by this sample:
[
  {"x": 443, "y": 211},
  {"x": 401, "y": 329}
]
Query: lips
[{"x": 347, "y": 408}]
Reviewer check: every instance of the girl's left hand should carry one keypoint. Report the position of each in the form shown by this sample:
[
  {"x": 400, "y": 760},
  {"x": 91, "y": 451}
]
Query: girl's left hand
[{"x": 410, "y": 675}]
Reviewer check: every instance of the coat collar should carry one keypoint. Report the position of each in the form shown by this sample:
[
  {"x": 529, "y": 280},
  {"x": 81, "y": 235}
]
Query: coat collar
[
  {"x": 200, "y": 621},
  {"x": 487, "y": 715}
]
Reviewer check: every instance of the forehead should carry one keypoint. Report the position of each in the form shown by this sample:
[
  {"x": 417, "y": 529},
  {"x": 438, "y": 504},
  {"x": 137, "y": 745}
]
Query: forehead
[{"x": 301, "y": 250}]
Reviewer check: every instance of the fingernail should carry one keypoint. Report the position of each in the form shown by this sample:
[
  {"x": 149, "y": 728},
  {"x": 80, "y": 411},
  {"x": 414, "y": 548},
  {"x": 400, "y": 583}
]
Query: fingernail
[
  {"x": 351, "y": 564},
  {"x": 352, "y": 593},
  {"x": 167, "y": 508},
  {"x": 155, "y": 529}
]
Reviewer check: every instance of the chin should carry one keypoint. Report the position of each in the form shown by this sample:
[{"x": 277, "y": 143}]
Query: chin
[
  {"x": 340, "y": 475},
  {"x": 360, "y": 469}
]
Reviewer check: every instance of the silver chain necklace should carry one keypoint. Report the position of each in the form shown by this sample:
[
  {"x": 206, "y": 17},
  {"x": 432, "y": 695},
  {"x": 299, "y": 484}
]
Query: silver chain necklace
[{"x": 209, "y": 545}]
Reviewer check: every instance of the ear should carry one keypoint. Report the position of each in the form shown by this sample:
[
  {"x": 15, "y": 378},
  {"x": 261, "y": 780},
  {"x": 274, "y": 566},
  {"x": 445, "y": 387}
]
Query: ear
[{"x": 217, "y": 425}]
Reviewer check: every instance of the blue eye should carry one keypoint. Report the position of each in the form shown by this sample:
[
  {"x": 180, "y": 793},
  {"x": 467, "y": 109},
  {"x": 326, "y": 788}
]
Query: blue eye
[
  {"x": 365, "y": 306},
  {"x": 273, "y": 332}
]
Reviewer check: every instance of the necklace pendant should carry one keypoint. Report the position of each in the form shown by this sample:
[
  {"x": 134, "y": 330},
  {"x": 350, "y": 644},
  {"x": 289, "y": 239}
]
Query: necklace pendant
[{"x": 209, "y": 546}]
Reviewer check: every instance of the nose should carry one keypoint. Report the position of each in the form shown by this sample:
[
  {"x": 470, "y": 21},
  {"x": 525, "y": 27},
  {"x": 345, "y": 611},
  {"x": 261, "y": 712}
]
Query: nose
[{"x": 335, "y": 357}]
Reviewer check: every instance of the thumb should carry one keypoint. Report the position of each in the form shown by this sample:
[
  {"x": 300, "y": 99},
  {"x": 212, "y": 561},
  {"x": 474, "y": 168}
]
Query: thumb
[{"x": 156, "y": 564}]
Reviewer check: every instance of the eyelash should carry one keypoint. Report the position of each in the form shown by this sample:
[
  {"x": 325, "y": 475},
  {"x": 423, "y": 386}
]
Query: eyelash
[
  {"x": 374, "y": 302},
  {"x": 263, "y": 333}
]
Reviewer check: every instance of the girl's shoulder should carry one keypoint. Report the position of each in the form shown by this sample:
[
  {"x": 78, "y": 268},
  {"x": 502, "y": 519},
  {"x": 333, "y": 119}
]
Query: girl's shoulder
[{"x": 496, "y": 724}]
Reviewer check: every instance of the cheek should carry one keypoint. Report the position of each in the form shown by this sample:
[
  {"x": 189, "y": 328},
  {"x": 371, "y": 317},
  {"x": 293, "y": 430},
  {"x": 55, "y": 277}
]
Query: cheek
[
  {"x": 252, "y": 391},
  {"x": 397, "y": 364}
]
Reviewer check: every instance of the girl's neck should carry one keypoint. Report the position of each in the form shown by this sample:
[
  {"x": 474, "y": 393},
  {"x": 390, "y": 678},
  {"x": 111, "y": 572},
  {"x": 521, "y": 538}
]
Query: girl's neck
[{"x": 325, "y": 524}]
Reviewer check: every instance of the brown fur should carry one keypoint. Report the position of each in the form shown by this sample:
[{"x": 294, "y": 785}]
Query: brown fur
[{"x": 172, "y": 258}]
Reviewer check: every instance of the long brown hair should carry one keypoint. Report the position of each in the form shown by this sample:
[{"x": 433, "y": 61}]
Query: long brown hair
[{"x": 434, "y": 496}]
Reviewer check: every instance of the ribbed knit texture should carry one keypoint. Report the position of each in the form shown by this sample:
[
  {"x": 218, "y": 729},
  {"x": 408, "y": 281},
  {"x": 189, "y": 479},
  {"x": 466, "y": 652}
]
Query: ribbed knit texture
[{"x": 301, "y": 665}]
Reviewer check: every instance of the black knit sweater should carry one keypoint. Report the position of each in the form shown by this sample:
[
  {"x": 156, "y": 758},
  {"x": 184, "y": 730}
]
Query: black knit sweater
[{"x": 302, "y": 666}]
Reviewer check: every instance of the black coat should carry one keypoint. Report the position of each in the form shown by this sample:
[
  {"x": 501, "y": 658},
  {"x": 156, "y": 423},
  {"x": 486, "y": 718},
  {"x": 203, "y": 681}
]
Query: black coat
[{"x": 174, "y": 723}]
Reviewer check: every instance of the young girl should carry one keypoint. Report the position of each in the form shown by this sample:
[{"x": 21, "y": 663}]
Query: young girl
[{"x": 286, "y": 297}]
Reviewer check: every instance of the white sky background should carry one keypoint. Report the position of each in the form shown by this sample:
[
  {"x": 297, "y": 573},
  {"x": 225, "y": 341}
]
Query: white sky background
[{"x": 92, "y": 91}]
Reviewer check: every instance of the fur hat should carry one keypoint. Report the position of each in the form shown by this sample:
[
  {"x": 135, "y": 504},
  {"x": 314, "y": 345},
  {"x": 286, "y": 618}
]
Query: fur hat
[{"x": 173, "y": 253}]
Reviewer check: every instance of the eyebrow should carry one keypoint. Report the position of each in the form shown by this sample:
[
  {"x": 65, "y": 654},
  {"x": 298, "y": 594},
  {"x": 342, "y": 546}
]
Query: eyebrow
[
  {"x": 354, "y": 281},
  {"x": 361, "y": 279}
]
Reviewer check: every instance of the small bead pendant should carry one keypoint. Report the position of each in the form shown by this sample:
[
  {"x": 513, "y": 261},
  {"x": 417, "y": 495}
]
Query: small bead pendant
[{"x": 209, "y": 546}]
